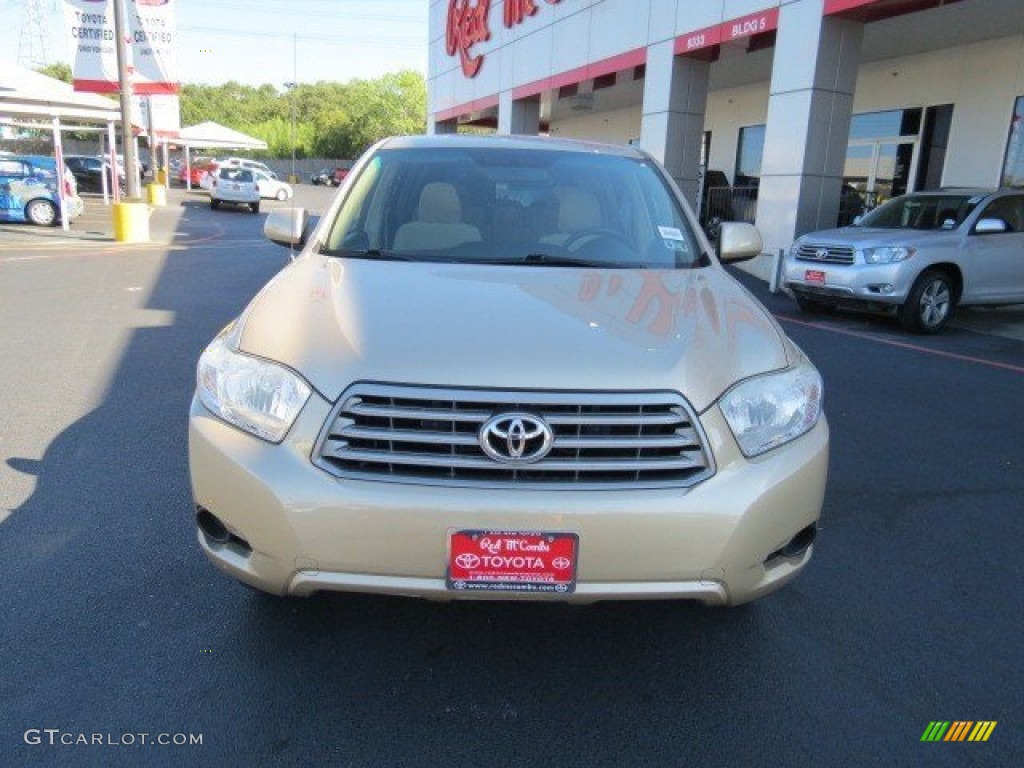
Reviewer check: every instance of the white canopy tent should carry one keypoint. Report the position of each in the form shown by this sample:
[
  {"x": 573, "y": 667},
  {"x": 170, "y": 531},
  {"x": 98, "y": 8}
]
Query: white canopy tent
[
  {"x": 211, "y": 135},
  {"x": 25, "y": 94},
  {"x": 31, "y": 100}
]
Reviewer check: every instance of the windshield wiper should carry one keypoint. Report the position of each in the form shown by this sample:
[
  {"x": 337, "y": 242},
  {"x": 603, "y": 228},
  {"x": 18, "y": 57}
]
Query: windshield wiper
[
  {"x": 374, "y": 254},
  {"x": 558, "y": 260}
]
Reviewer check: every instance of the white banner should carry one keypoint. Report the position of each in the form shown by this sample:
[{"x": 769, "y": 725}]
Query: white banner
[
  {"x": 151, "y": 44},
  {"x": 161, "y": 113}
]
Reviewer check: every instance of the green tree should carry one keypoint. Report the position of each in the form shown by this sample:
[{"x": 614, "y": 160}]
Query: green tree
[
  {"x": 59, "y": 71},
  {"x": 331, "y": 119},
  {"x": 395, "y": 104}
]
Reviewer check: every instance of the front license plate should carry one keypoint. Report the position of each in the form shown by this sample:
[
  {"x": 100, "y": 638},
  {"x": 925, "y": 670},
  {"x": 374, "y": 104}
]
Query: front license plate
[
  {"x": 814, "y": 276},
  {"x": 512, "y": 561}
]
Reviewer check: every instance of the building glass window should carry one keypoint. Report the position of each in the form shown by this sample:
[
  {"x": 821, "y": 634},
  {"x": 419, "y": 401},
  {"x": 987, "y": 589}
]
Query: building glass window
[
  {"x": 749, "y": 156},
  {"x": 882, "y": 125},
  {"x": 1013, "y": 166},
  {"x": 879, "y": 159}
]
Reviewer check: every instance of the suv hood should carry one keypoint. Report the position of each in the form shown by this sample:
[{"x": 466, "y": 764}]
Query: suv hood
[
  {"x": 872, "y": 237},
  {"x": 338, "y": 321}
]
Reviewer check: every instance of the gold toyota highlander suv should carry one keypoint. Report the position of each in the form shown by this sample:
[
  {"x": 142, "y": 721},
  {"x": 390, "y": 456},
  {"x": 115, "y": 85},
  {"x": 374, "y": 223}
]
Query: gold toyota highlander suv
[{"x": 508, "y": 368}]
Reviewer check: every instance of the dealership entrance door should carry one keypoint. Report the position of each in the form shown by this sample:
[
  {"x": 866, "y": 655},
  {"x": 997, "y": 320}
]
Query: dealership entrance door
[
  {"x": 881, "y": 169},
  {"x": 892, "y": 153}
]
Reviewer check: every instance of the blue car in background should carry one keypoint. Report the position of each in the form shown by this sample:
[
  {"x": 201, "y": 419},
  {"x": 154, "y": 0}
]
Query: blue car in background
[{"x": 28, "y": 190}]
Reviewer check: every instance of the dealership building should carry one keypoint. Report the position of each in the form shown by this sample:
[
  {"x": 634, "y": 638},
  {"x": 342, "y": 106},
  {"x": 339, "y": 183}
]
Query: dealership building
[{"x": 793, "y": 114}]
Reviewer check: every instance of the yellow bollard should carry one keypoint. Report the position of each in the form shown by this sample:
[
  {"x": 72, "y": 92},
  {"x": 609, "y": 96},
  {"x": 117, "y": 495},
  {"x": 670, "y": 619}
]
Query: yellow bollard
[
  {"x": 131, "y": 222},
  {"x": 156, "y": 194},
  {"x": 293, "y": 178},
  {"x": 161, "y": 176}
]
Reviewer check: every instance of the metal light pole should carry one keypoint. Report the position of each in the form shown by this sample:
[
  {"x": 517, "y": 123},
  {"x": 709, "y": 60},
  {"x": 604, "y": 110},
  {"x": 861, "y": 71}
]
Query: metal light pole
[
  {"x": 127, "y": 144},
  {"x": 290, "y": 87},
  {"x": 293, "y": 179}
]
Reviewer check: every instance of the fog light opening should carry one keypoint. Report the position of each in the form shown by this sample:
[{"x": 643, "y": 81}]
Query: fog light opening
[
  {"x": 799, "y": 544},
  {"x": 216, "y": 531},
  {"x": 212, "y": 527}
]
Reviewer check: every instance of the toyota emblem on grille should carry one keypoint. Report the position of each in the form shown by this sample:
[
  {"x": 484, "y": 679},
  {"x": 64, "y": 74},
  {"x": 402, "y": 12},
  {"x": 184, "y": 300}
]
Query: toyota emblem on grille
[
  {"x": 821, "y": 254},
  {"x": 516, "y": 438}
]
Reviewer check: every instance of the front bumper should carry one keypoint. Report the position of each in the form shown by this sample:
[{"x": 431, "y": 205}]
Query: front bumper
[
  {"x": 875, "y": 283},
  {"x": 297, "y": 530}
]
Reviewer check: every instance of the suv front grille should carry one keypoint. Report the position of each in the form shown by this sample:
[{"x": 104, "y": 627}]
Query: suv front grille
[
  {"x": 430, "y": 435},
  {"x": 825, "y": 254}
]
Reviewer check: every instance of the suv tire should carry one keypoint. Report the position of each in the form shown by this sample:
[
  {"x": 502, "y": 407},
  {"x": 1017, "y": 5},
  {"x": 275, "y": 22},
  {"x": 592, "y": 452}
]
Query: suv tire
[
  {"x": 930, "y": 303},
  {"x": 214, "y": 204},
  {"x": 254, "y": 207}
]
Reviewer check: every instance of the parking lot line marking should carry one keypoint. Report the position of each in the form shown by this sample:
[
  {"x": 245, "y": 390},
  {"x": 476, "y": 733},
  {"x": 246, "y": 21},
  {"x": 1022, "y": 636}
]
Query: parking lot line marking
[{"x": 903, "y": 345}]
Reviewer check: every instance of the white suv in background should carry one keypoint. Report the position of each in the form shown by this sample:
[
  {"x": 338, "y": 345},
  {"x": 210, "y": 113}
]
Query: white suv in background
[
  {"x": 237, "y": 185},
  {"x": 271, "y": 187},
  {"x": 918, "y": 256},
  {"x": 254, "y": 165}
]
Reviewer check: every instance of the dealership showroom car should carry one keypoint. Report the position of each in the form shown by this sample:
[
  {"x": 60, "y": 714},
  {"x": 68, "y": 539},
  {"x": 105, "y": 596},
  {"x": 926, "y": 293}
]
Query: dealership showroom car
[
  {"x": 919, "y": 256},
  {"x": 92, "y": 173},
  {"x": 195, "y": 173},
  {"x": 235, "y": 185},
  {"x": 508, "y": 368},
  {"x": 29, "y": 193}
]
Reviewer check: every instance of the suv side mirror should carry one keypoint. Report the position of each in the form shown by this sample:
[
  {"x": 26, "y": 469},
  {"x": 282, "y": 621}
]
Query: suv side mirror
[
  {"x": 739, "y": 242},
  {"x": 288, "y": 227},
  {"x": 990, "y": 227}
]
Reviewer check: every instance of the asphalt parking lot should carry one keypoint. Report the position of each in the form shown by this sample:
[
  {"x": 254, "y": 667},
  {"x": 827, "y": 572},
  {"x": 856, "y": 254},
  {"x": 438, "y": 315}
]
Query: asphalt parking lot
[{"x": 114, "y": 624}]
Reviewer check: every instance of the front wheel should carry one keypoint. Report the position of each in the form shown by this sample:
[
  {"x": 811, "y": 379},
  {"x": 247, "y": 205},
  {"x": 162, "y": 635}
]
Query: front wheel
[
  {"x": 214, "y": 204},
  {"x": 42, "y": 213},
  {"x": 255, "y": 207},
  {"x": 282, "y": 195},
  {"x": 929, "y": 304}
]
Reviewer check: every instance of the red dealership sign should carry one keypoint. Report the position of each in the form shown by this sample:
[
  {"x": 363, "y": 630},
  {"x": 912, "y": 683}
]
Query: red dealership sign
[
  {"x": 727, "y": 31},
  {"x": 467, "y": 26}
]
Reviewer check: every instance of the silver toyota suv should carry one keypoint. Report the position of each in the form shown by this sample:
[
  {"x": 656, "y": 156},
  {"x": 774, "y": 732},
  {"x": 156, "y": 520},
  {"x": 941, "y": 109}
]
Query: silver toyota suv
[
  {"x": 919, "y": 256},
  {"x": 508, "y": 368}
]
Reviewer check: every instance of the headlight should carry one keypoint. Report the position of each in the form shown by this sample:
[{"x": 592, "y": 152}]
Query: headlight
[
  {"x": 887, "y": 255},
  {"x": 257, "y": 396},
  {"x": 768, "y": 411},
  {"x": 794, "y": 249}
]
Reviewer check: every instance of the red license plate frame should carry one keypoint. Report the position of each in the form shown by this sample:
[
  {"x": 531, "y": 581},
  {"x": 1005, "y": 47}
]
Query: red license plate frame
[
  {"x": 512, "y": 561},
  {"x": 815, "y": 276}
]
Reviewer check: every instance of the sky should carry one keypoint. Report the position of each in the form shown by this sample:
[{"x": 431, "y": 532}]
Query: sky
[{"x": 270, "y": 41}]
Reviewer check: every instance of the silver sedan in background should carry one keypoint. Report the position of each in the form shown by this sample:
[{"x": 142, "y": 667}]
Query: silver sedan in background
[{"x": 919, "y": 255}]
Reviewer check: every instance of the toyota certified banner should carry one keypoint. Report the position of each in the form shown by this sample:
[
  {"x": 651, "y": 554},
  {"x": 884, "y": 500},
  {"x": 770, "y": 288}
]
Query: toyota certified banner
[{"x": 151, "y": 44}]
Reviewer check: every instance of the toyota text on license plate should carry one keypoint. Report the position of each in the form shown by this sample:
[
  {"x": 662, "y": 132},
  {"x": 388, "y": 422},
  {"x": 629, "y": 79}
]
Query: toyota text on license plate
[{"x": 512, "y": 561}]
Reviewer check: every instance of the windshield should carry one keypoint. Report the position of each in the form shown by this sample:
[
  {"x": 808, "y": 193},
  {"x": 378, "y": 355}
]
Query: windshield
[
  {"x": 514, "y": 206},
  {"x": 921, "y": 212}
]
